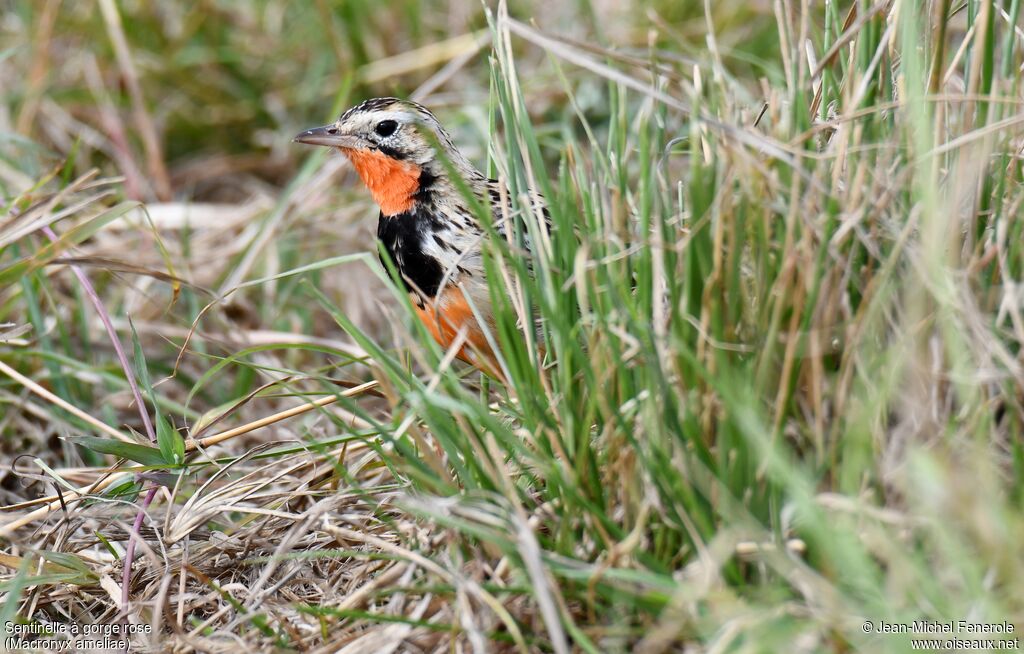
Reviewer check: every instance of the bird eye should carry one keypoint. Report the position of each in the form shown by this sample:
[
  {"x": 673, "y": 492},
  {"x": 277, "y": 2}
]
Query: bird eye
[{"x": 386, "y": 127}]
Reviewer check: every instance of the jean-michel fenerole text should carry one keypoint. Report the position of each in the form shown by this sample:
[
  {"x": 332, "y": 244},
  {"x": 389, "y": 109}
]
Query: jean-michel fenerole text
[{"x": 949, "y": 627}]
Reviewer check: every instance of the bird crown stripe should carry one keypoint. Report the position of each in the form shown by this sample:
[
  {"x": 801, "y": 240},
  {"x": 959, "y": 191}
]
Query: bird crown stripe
[{"x": 376, "y": 104}]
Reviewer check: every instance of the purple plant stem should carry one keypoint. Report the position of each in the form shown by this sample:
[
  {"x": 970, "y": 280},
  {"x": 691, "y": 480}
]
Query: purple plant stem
[
  {"x": 129, "y": 555},
  {"x": 109, "y": 325}
]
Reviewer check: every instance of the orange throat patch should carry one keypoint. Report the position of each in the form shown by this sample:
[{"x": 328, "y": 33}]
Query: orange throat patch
[{"x": 391, "y": 182}]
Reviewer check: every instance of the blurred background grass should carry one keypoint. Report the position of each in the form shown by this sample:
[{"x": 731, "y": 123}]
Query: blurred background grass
[
  {"x": 226, "y": 83},
  {"x": 782, "y": 389}
]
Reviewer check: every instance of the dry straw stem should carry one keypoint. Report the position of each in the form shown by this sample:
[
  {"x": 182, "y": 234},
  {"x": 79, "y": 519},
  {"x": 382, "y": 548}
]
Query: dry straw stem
[
  {"x": 764, "y": 144},
  {"x": 41, "y": 214},
  {"x": 191, "y": 443},
  {"x": 70, "y": 408},
  {"x": 343, "y": 534},
  {"x": 7, "y": 529},
  {"x": 57, "y": 501},
  {"x": 426, "y": 57}
]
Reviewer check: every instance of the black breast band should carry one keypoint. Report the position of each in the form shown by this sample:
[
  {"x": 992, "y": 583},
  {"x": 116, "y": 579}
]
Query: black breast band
[{"x": 404, "y": 236}]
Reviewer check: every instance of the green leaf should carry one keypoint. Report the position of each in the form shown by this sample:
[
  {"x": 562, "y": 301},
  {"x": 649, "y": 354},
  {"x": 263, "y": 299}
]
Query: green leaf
[
  {"x": 71, "y": 578},
  {"x": 139, "y": 361},
  {"x": 172, "y": 446},
  {"x": 67, "y": 560},
  {"x": 107, "y": 544},
  {"x": 127, "y": 491},
  {"x": 56, "y": 477},
  {"x": 144, "y": 454},
  {"x": 14, "y": 587}
]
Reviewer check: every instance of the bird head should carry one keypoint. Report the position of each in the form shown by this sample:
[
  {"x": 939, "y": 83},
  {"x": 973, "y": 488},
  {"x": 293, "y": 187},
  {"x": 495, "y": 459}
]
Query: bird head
[{"x": 392, "y": 145}]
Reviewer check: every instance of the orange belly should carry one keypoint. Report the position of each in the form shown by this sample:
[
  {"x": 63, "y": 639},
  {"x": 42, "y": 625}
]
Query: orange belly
[{"x": 446, "y": 316}]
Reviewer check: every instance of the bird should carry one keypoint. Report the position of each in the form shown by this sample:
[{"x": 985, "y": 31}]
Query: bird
[{"x": 408, "y": 162}]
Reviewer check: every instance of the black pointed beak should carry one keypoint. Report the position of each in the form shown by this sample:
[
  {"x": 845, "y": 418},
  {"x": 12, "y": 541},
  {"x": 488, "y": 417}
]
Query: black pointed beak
[{"x": 327, "y": 135}]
